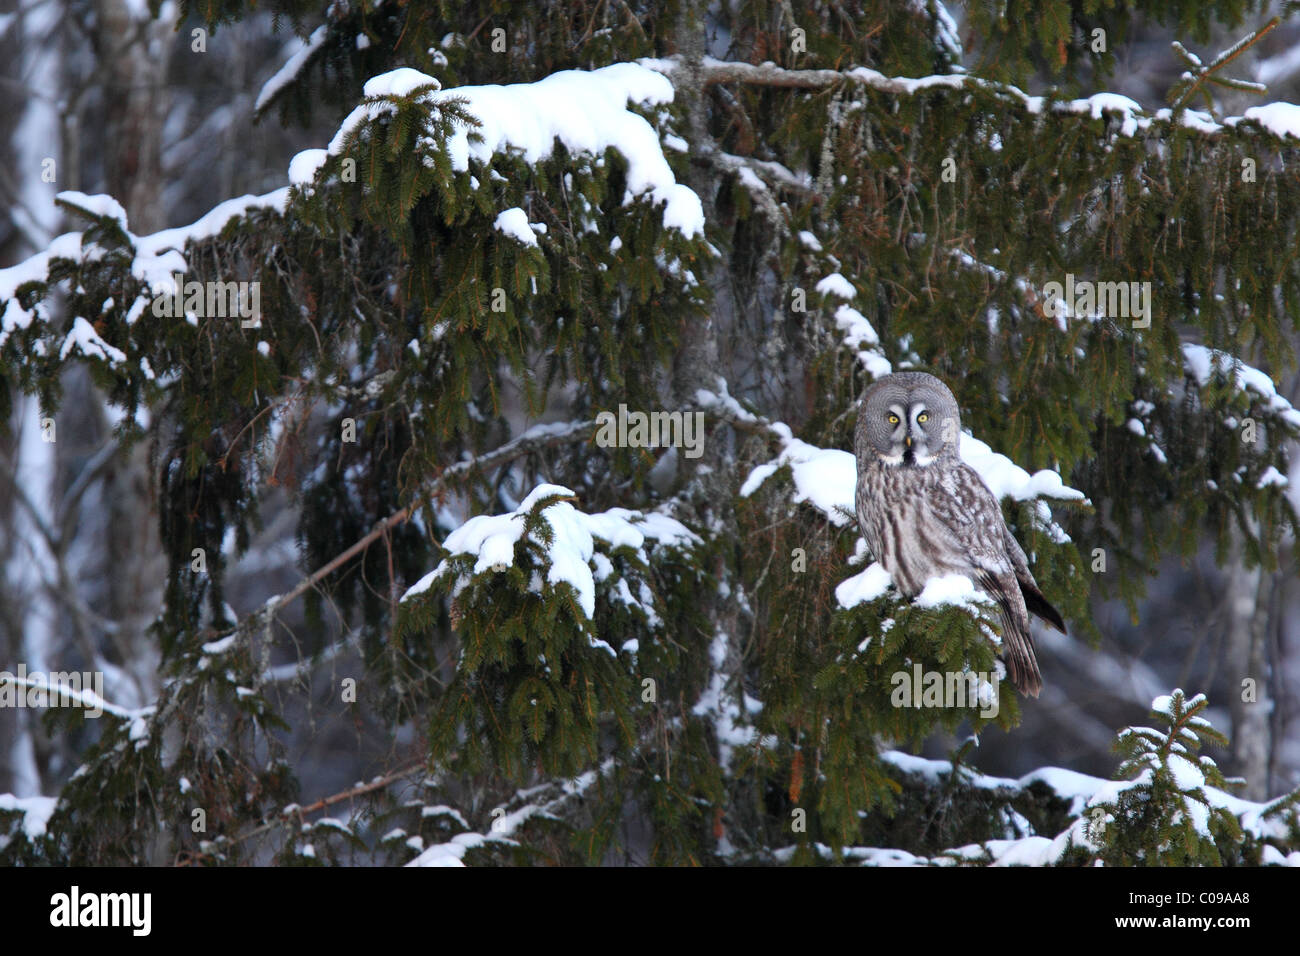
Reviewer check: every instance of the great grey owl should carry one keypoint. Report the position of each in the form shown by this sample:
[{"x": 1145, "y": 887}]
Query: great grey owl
[{"x": 924, "y": 512}]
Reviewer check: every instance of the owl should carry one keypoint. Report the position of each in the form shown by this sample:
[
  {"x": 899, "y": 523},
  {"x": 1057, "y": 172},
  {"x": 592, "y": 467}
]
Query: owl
[{"x": 925, "y": 513}]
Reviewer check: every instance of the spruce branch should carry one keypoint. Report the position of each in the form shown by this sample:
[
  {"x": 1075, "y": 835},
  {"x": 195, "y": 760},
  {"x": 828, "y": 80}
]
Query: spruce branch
[
  {"x": 774, "y": 173},
  {"x": 1288, "y": 801},
  {"x": 532, "y": 440},
  {"x": 79, "y": 698},
  {"x": 1164, "y": 815},
  {"x": 768, "y": 74},
  {"x": 294, "y": 814},
  {"x": 541, "y": 436},
  {"x": 758, "y": 190},
  {"x": 1191, "y": 82},
  {"x": 545, "y": 801}
]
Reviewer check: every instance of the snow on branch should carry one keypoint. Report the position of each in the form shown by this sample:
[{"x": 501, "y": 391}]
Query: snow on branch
[
  {"x": 588, "y": 112},
  {"x": 1279, "y": 119},
  {"x": 537, "y": 437},
  {"x": 303, "y": 53},
  {"x": 573, "y": 547},
  {"x": 1089, "y": 799},
  {"x": 60, "y": 693},
  {"x": 1203, "y": 364},
  {"x": 724, "y": 703},
  {"x": 36, "y": 813},
  {"x": 1194, "y": 81},
  {"x": 758, "y": 170},
  {"x": 827, "y": 477},
  {"x": 157, "y": 258},
  {"x": 554, "y": 798}
]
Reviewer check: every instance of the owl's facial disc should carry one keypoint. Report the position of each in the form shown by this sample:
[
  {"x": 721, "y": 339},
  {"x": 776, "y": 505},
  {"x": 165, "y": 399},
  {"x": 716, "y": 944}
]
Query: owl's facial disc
[
  {"x": 909, "y": 435},
  {"x": 898, "y": 425},
  {"x": 916, "y": 441}
]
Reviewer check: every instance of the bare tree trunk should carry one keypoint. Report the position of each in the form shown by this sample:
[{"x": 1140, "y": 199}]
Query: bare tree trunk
[
  {"x": 35, "y": 80},
  {"x": 134, "y": 60},
  {"x": 121, "y": 573},
  {"x": 1249, "y": 599}
]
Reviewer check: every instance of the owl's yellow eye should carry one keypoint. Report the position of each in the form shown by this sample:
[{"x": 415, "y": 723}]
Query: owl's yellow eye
[
  {"x": 893, "y": 419},
  {"x": 923, "y": 418}
]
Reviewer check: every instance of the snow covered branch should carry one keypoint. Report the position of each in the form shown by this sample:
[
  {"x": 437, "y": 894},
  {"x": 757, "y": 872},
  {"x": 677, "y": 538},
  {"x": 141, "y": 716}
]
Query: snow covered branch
[
  {"x": 1194, "y": 81},
  {"x": 537, "y": 437},
  {"x": 1280, "y": 119},
  {"x": 303, "y": 52},
  {"x": 555, "y": 797},
  {"x": 66, "y": 695}
]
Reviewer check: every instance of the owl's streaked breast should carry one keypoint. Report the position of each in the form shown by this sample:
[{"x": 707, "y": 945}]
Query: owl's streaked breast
[{"x": 895, "y": 506}]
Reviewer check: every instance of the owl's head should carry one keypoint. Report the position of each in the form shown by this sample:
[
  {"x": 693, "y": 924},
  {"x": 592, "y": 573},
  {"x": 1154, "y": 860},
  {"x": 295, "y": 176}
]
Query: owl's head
[{"x": 908, "y": 418}]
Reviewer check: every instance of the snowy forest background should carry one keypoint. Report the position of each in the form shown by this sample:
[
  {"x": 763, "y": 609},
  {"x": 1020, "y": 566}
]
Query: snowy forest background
[{"x": 769, "y": 204}]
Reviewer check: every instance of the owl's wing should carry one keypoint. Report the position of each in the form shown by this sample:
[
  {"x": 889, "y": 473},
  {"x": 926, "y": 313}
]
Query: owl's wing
[
  {"x": 1017, "y": 641},
  {"x": 866, "y": 524},
  {"x": 975, "y": 519},
  {"x": 1035, "y": 603}
]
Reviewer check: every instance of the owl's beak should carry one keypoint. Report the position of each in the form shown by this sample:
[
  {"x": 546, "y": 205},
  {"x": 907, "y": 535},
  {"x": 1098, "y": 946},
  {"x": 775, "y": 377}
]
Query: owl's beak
[{"x": 908, "y": 440}]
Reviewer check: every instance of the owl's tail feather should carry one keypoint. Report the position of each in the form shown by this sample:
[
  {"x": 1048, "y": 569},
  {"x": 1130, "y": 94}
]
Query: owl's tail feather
[
  {"x": 1022, "y": 664},
  {"x": 1017, "y": 642}
]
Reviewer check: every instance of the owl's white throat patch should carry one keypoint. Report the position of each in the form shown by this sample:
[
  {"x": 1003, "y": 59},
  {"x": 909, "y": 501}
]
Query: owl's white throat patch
[{"x": 909, "y": 457}]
